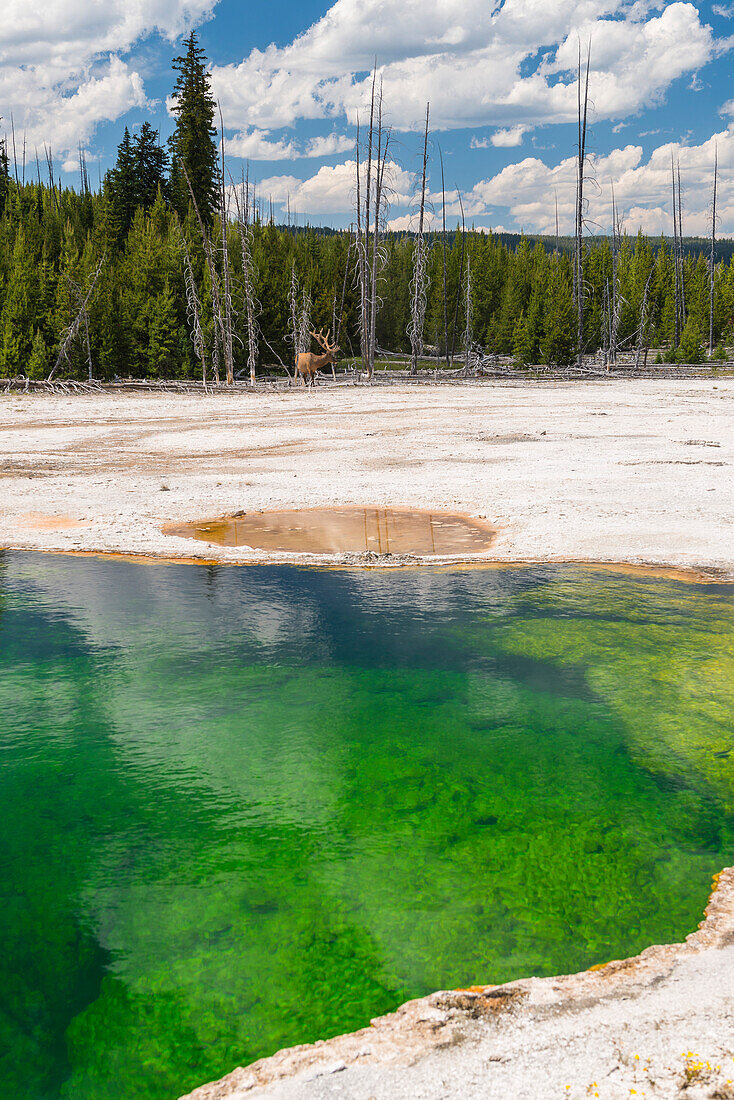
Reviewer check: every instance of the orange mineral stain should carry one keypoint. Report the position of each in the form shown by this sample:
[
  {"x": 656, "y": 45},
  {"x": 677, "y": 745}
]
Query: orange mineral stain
[{"x": 381, "y": 531}]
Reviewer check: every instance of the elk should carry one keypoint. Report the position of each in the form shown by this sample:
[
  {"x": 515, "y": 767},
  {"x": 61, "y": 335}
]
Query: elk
[{"x": 308, "y": 362}]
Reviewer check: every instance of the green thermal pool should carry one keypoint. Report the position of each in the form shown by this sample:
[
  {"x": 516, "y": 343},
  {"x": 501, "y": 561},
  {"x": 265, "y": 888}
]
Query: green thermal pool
[{"x": 244, "y": 808}]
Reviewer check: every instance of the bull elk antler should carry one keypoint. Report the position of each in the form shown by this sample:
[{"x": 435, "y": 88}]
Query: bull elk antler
[{"x": 323, "y": 340}]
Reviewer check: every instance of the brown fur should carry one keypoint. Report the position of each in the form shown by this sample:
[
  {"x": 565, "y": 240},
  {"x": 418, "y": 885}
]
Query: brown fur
[{"x": 308, "y": 362}]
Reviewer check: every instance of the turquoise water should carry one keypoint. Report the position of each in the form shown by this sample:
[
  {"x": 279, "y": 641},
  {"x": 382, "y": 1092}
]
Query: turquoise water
[{"x": 247, "y": 808}]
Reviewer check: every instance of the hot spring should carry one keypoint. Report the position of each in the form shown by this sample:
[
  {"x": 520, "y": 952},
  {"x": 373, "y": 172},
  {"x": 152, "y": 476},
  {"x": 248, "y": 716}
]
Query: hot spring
[{"x": 245, "y": 808}]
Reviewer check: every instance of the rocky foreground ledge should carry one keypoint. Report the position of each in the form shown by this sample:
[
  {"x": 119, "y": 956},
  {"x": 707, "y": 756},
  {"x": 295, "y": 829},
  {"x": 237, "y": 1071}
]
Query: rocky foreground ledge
[{"x": 657, "y": 1025}]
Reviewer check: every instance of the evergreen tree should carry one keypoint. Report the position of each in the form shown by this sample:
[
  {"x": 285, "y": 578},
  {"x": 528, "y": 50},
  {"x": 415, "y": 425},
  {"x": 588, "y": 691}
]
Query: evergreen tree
[
  {"x": 4, "y": 176},
  {"x": 39, "y": 362},
  {"x": 522, "y": 344},
  {"x": 690, "y": 349},
  {"x": 163, "y": 335},
  {"x": 18, "y": 315},
  {"x": 122, "y": 184},
  {"x": 193, "y": 142},
  {"x": 558, "y": 343},
  {"x": 151, "y": 162}
]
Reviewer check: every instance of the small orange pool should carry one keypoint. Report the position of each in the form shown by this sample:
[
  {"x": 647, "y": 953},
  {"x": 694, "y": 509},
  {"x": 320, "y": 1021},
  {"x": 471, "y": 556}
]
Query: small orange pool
[{"x": 345, "y": 530}]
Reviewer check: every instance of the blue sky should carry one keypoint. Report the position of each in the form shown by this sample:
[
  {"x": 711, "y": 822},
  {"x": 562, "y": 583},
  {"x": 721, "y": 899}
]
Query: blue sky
[{"x": 291, "y": 78}]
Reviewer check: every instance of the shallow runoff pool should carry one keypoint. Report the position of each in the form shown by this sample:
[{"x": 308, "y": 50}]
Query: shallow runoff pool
[{"x": 244, "y": 808}]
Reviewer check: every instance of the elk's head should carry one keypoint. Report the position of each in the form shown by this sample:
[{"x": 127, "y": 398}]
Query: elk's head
[{"x": 329, "y": 349}]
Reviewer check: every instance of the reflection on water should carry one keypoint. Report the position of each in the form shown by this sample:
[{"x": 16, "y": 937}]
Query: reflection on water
[
  {"x": 345, "y": 531},
  {"x": 244, "y": 809}
]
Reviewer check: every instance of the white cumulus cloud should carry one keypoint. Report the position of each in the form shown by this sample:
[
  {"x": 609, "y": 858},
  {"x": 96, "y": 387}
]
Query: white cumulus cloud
[
  {"x": 642, "y": 189},
  {"x": 328, "y": 145},
  {"x": 506, "y": 139},
  {"x": 61, "y": 72},
  {"x": 331, "y": 190},
  {"x": 256, "y": 145},
  {"x": 477, "y": 61}
]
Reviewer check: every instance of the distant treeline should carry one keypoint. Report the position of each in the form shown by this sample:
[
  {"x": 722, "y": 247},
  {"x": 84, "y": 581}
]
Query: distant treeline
[
  {"x": 692, "y": 246},
  {"x": 132, "y": 279}
]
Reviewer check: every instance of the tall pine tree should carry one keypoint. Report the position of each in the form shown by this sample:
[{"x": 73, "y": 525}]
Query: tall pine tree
[
  {"x": 193, "y": 143},
  {"x": 151, "y": 162},
  {"x": 122, "y": 185}
]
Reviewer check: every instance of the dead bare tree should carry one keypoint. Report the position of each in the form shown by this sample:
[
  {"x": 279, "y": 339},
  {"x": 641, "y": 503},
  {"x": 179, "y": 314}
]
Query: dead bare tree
[
  {"x": 680, "y": 251},
  {"x": 252, "y": 306},
  {"x": 642, "y": 332},
  {"x": 299, "y": 305},
  {"x": 383, "y": 144},
  {"x": 80, "y": 318},
  {"x": 51, "y": 182},
  {"x": 468, "y": 318},
  {"x": 360, "y": 253},
  {"x": 419, "y": 285},
  {"x": 15, "y": 157},
  {"x": 677, "y": 328},
  {"x": 582, "y": 115},
  {"x": 218, "y": 321},
  {"x": 293, "y": 309},
  {"x": 443, "y": 238},
  {"x": 614, "y": 303},
  {"x": 227, "y": 316},
  {"x": 367, "y": 196},
  {"x": 712, "y": 254},
  {"x": 461, "y": 275},
  {"x": 304, "y": 320},
  {"x": 193, "y": 306},
  {"x": 76, "y": 292},
  {"x": 83, "y": 174}
]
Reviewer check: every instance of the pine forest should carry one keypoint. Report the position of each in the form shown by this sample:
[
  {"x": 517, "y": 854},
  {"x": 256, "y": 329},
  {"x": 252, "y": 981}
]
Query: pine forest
[{"x": 171, "y": 268}]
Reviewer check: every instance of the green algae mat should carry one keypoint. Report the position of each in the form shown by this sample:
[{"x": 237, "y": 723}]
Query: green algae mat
[{"x": 244, "y": 808}]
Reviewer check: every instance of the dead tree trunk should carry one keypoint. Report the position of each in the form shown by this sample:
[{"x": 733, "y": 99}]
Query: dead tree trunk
[
  {"x": 367, "y": 205},
  {"x": 615, "y": 304},
  {"x": 248, "y": 278},
  {"x": 582, "y": 105},
  {"x": 227, "y": 319},
  {"x": 293, "y": 309},
  {"x": 443, "y": 237},
  {"x": 209, "y": 256},
  {"x": 712, "y": 256},
  {"x": 382, "y": 152},
  {"x": 418, "y": 287},
  {"x": 73, "y": 328},
  {"x": 676, "y": 334},
  {"x": 15, "y": 158},
  {"x": 461, "y": 276},
  {"x": 680, "y": 251},
  {"x": 193, "y": 306},
  {"x": 468, "y": 318},
  {"x": 360, "y": 250}
]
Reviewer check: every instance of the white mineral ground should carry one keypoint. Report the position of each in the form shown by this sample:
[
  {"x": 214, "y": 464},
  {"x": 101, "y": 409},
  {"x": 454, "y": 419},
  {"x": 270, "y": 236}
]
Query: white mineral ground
[{"x": 638, "y": 472}]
